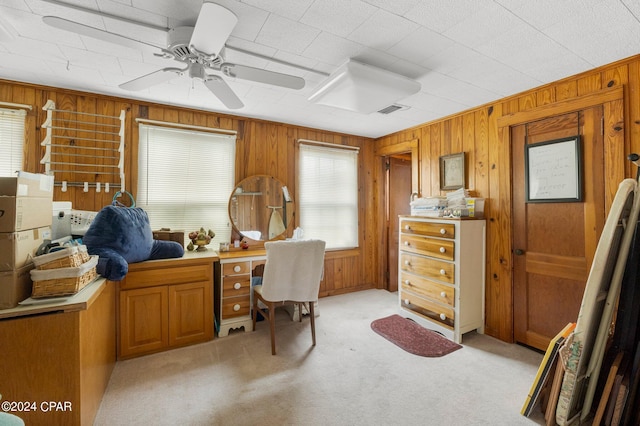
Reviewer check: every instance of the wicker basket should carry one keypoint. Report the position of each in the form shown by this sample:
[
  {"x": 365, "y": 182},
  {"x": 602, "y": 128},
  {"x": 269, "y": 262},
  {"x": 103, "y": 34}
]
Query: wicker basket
[
  {"x": 63, "y": 281},
  {"x": 68, "y": 257}
]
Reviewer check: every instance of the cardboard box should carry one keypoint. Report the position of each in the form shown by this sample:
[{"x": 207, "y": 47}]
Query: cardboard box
[
  {"x": 22, "y": 213},
  {"x": 15, "y": 286},
  {"x": 25, "y": 201},
  {"x": 17, "y": 249},
  {"x": 27, "y": 185},
  {"x": 168, "y": 235}
]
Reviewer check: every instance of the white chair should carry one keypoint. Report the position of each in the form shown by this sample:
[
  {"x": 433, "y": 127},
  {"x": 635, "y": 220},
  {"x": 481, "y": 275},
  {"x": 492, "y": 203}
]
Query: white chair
[{"x": 292, "y": 275}]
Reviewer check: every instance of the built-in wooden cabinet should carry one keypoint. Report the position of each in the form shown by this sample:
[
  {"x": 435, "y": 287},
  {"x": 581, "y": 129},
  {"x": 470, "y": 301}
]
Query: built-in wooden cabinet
[
  {"x": 441, "y": 273},
  {"x": 165, "y": 304}
]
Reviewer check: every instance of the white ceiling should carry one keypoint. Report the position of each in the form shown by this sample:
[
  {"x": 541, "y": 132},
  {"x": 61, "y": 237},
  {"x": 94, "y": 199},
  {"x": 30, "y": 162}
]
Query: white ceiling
[{"x": 465, "y": 53}]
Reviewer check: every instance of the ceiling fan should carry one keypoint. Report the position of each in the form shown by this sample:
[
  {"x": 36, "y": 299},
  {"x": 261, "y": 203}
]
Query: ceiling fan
[{"x": 199, "y": 47}]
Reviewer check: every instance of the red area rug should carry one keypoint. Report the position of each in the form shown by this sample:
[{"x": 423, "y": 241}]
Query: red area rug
[{"x": 412, "y": 337}]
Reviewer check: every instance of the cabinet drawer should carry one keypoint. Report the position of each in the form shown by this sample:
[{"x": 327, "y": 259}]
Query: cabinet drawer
[
  {"x": 444, "y": 230},
  {"x": 429, "y": 289},
  {"x": 430, "y": 268},
  {"x": 164, "y": 276},
  {"x": 235, "y": 268},
  {"x": 426, "y": 308},
  {"x": 442, "y": 249},
  {"x": 236, "y": 285},
  {"x": 235, "y": 306}
]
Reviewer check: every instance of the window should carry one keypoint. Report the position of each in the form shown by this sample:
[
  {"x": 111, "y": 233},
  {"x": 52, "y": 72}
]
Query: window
[
  {"x": 328, "y": 194},
  {"x": 11, "y": 140},
  {"x": 185, "y": 178}
]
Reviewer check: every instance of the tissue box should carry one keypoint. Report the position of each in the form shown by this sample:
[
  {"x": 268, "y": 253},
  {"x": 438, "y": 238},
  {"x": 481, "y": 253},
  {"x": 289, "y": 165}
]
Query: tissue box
[{"x": 475, "y": 207}]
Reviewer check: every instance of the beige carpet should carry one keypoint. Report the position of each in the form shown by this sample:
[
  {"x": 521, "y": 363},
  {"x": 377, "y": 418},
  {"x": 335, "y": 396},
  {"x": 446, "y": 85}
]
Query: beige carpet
[{"x": 352, "y": 377}]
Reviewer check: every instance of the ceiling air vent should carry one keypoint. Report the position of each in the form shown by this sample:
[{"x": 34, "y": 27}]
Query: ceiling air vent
[{"x": 393, "y": 108}]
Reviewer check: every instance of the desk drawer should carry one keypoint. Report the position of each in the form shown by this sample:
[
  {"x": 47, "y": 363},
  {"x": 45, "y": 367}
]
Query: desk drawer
[
  {"x": 164, "y": 276},
  {"x": 235, "y": 306},
  {"x": 441, "y": 249},
  {"x": 235, "y": 268},
  {"x": 430, "y": 268},
  {"x": 239, "y": 285}
]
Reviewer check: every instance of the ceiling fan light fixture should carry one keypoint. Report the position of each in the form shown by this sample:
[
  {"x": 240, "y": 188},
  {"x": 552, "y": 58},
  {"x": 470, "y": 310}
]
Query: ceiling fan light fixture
[{"x": 363, "y": 88}]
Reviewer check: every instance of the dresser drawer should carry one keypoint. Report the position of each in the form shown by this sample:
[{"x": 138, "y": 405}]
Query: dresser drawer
[
  {"x": 236, "y": 268},
  {"x": 426, "y": 308},
  {"x": 444, "y": 230},
  {"x": 429, "y": 289},
  {"x": 236, "y": 306},
  {"x": 430, "y": 268},
  {"x": 236, "y": 285},
  {"x": 164, "y": 276},
  {"x": 441, "y": 249}
]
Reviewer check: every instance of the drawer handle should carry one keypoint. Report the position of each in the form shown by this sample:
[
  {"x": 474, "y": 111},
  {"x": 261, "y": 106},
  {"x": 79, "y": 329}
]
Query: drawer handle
[
  {"x": 407, "y": 243},
  {"x": 237, "y": 286},
  {"x": 443, "y": 250},
  {"x": 443, "y": 317},
  {"x": 406, "y": 262},
  {"x": 443, "y": 272},
  {"x": 443, "y": 231},
  {"x": 406, "y": 301},
  {"x": 237, "y": 268},
  {"x": 443, "y": 294},
  {"x": 407, "y": 282},
  {"x": 407, "y": 228},
  {"x": 236, "y": 307}
]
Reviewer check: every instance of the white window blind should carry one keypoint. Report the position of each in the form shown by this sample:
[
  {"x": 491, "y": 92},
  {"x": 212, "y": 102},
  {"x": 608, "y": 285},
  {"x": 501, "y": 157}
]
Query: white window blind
[
  {"x": 328, "y": 195},
  {"x": 11, "y": 140},
  {"x": 185, "y": 178}
]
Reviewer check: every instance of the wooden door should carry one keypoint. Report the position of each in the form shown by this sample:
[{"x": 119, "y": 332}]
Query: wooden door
[
  {"x": 399, "y": 195},
  {"x": 554, "y": 242}
]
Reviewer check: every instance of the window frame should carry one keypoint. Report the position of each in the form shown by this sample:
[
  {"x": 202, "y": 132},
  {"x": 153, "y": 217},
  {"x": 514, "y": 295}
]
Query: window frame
[{"x": 355, "y": 220}]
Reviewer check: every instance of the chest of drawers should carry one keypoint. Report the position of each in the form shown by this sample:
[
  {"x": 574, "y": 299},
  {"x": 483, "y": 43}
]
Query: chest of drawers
[
  {"x": 233, "y": 289},
  {"x": 442, "y": 273}
]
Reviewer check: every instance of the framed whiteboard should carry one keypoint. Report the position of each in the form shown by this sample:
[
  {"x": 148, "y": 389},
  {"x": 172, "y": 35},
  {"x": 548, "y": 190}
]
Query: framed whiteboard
[{"x": 553, "y": 171}]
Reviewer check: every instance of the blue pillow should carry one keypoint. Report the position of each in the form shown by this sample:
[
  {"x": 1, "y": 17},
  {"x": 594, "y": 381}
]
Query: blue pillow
[{"x": 119, "y": 236}]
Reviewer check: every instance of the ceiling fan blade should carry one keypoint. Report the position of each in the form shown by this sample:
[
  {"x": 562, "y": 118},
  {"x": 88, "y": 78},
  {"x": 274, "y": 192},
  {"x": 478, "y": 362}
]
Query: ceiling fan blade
[
  {"x": 75, "y": 27},
  {"x": 262, "y": 76},
  {"x": 213, "y": 27},
  {"x": 222, "y": 91},
  {"x": 156, "y": 77}
]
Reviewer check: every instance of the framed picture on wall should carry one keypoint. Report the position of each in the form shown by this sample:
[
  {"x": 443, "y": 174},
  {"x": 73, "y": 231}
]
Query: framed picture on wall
[
  {"x": 553, "y": 171},
  {"x": 452, "y": 171}
]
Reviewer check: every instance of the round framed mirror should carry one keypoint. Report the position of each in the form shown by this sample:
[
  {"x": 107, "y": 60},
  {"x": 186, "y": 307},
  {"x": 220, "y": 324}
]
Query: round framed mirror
[{"x": 261, "y": 208}]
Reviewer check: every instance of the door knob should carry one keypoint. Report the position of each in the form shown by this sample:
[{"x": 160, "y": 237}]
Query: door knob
[{"x": 519, "y": 252}]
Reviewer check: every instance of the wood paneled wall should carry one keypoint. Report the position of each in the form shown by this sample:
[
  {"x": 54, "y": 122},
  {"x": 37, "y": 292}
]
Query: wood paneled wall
[
  {"x": 263, "y": 148},
  {"x": 483, "y": 134},
  {"x": 270, "y": 148}
]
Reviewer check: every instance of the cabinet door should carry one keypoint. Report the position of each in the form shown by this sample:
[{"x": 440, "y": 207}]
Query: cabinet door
[
  {"x": 190, "y": 313},
  {"x": 144, "y": 320}
]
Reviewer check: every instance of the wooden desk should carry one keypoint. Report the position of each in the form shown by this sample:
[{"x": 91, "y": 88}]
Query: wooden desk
[{"x": 58, "y": 356}]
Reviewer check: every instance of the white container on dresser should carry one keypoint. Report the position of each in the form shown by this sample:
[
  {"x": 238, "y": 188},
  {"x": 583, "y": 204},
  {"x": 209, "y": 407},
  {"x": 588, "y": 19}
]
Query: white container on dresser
[{"x": 442, "y": 273}]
